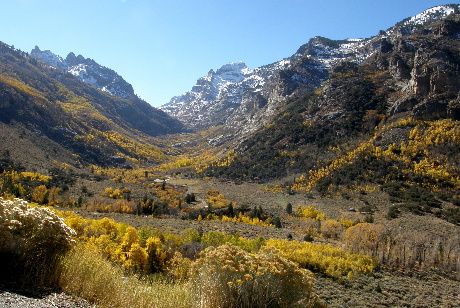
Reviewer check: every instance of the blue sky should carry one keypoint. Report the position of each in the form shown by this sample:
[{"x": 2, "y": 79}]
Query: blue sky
[{"x": 163, "y": 47}]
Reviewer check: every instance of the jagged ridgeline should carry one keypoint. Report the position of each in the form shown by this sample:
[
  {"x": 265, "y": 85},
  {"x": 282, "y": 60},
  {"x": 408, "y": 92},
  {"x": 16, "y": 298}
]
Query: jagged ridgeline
[
  {"x": 64, "y": 117},
  {"x": 388, "y": 112}
]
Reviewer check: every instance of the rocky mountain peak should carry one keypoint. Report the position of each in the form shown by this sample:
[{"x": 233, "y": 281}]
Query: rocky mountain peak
[
  {"x": 243, "y": 100},
  {"x": 49, "y": 57},
  {"x": 191, "y": 106},
  {"x": 236, "y": 68},
  {"x": 89, "y": 71}
]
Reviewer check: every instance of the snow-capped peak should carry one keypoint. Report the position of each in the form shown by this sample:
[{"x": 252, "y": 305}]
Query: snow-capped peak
[
  {"x": 431, "y": 15},
  {"x": 87, "y": 70},
  {"x": 234, "y": 92},
  {"x": 49, "y": 57}
]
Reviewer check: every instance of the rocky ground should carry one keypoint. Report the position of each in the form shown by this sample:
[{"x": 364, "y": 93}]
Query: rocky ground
[
  {"x": 392, "y": 289},
  {"x": 22, "y": 298}
]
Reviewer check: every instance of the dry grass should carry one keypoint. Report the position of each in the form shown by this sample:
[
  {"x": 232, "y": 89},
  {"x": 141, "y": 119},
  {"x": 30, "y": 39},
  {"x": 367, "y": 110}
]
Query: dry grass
[
  {"x": 88, "y": 275},
  {"x": 246, "y": 280}
]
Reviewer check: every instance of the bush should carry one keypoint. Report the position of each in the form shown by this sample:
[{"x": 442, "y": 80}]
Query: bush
[
  {"x": 289, "y": 208},
  {"x": 331, "y": 228},
  {"x": 451, "y": 215},
  {"x": 227, "y": 276},
  {"x": 393, "y": 212},
  {"x": 369, "y": 219},
  {"x": 456, "y": 201},
  {"x": 366, "y": 209},
  {"x": 366, "y": 238},
  {"x": 325, "y": 259},
  {"x": 32, "y": 241},
  {"x": 277, "y": 223},
  {"x": 310, "y": 212}
]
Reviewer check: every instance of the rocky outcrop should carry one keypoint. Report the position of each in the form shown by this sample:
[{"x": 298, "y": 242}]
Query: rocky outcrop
[{"x": 425, "y": 67}]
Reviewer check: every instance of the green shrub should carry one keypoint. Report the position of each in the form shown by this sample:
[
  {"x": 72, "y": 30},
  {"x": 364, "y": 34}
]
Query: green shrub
[
  {"x": 369, "y": 219},
  {"x": 366, "y": 209},
  {"x": 452, "y": 215},
  {"x": 393, "y": 212},
  {"x": 456, "y": 201},
  {"x": 289, "y": 208}
]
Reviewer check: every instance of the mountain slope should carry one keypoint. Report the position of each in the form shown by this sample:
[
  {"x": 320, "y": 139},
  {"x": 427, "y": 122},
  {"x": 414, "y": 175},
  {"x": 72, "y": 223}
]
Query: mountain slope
[
  {"x": 252, "y": 102},
  {"x": 391, "y": 117},
  {"x": 90, "y": 123},
  {"x": 137, "y": 113},
  {"x": 87, "y": 70}
]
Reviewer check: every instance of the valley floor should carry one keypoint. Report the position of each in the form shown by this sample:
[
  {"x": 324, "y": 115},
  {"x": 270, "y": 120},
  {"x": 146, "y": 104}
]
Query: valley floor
[
  {"x": 387, "y": 288},
  {"x": 392, "y": 289}
]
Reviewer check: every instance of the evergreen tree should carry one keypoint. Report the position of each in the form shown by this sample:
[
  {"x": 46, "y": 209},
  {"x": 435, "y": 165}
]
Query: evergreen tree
[
  {"x": 231, "y": 212},
  {"x": 289, "y": 208},
  {"x": 277, "y": 223},
  {"x": 189, "y": 198}
]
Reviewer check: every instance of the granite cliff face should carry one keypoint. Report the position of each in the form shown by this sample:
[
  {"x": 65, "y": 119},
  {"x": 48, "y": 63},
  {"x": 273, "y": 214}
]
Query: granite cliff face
[{"x": 203, "y": 106}]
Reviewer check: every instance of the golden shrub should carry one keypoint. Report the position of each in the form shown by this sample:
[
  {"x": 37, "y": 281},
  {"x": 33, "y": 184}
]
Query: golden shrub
[
  {"x": 178, "y": 267},
  {"x": 310, "y": 212},
  {"x": 327, "y": 259},
  {"x": 156, "y": 254},
  {"x": 331, "y": 228},
  {"x": 228, "y": 276},
  {"x": 345, "y": 222},
  {"x": 129, "y": 238},
  {"x": 366, "y": 237},
  {"x": 32, "y": 241},
  {"x": 39, "y": 194},
  {"x": 137, "y": 258}
]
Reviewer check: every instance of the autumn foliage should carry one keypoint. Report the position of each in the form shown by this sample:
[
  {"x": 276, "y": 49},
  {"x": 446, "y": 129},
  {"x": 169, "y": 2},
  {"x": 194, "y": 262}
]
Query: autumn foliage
[{"x": 228, "y": 276}]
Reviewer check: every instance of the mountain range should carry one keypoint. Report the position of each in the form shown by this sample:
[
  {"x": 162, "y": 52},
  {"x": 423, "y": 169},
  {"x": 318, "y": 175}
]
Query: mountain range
[
  {"x": 408, "y": 73},
  {"x": 47, "y": 111},
  {"x": 327, "y": 93},
  {"x": 89, "y": 71},
  {"x": 242, "y": 100},
  {"x": 339, "y": 163}
]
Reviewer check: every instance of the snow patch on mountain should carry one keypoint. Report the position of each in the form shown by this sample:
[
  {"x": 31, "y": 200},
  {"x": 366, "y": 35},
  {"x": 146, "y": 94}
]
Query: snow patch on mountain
[
  {"x": 49, "y": 57},
  {"x": 410, "y": 25},
  {"x": 88, "y": 71},
  {"x": 192, "y": 104},
  {"x": 242, "y": 99},
  {"x": 431, "y": 15}
]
